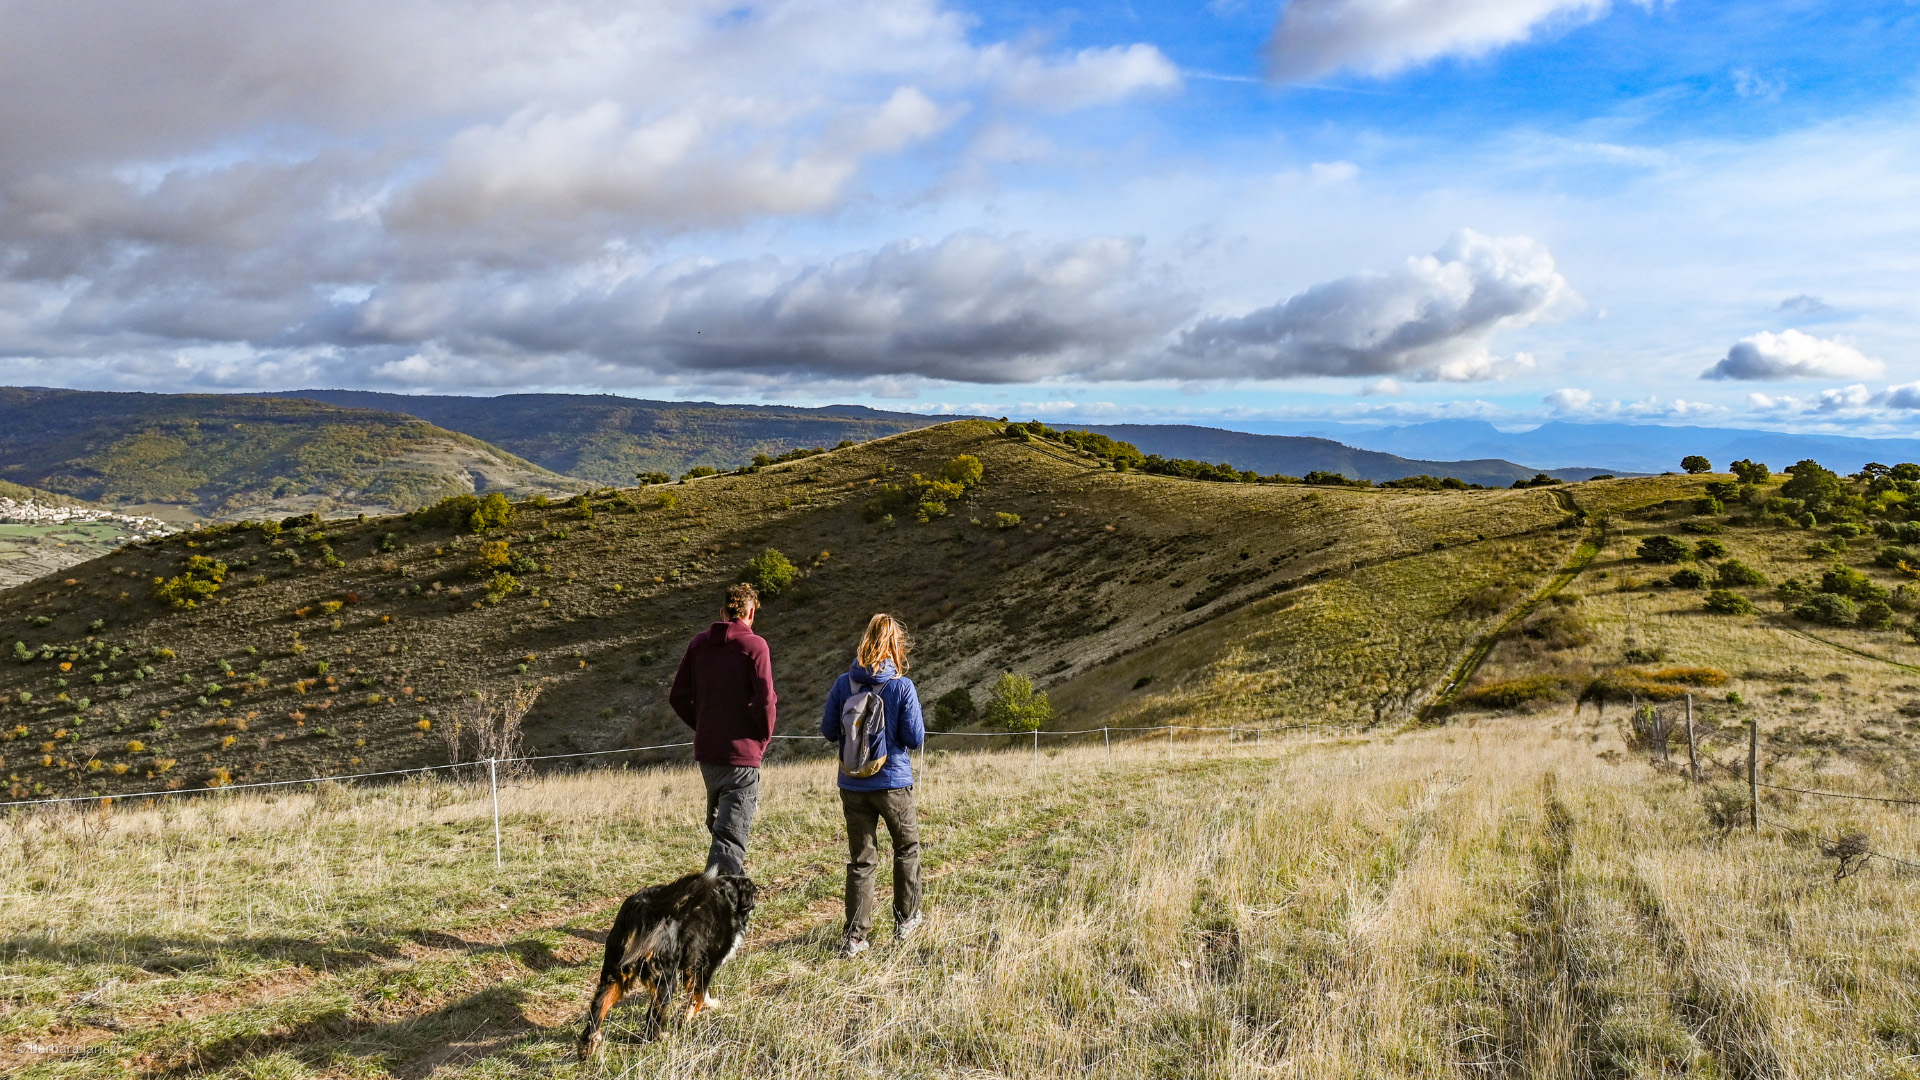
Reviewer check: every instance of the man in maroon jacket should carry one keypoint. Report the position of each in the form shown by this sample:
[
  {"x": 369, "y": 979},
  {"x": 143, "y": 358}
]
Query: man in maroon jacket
[{"x": 724, "y": 692}]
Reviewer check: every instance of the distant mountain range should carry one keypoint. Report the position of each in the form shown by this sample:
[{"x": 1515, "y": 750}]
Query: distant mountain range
[
  {"x": 1297, "y": 456},
  {"x": 230, "y": 456},
  {"x": 1619, "y": 447},
  {"x": 607, "y": 439}
]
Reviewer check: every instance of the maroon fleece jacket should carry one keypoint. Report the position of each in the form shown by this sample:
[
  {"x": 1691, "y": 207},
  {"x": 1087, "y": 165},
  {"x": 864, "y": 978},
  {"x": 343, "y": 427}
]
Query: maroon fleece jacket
[{"x": 724, "y": 692}]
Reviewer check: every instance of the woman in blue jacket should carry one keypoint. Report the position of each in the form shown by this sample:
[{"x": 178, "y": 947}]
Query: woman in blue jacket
[{"x": 879, "y": 669}]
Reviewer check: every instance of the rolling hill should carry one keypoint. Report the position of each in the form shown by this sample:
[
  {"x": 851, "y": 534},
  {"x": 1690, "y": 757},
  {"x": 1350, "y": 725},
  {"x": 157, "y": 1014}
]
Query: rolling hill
[
  {"x": 224, "y": 456},
  {"x": 1456, "y": 848},
  {"x": 609, "y": 440}
]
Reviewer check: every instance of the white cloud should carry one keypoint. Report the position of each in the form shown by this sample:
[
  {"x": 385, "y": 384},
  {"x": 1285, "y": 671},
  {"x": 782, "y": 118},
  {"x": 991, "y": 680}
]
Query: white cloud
[
  {"x": 1382, "y": 37},
  {"x": 1569, "y": 399},
  {"x": 1791, "y": 354},
  {"x": 1090, "y": 77},
  {"x": 1428, "y": 320},
  {"x": 1751, "y": 84}
]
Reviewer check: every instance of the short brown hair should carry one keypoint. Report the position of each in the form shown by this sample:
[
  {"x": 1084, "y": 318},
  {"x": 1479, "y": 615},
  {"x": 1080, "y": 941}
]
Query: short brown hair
[
  {"x": 884, "y": 640},
  {"x": 741, "y": 599}
]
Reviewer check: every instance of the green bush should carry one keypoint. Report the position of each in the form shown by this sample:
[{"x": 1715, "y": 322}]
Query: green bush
[
  {"x": 954, "y": 709},
  {"x": 699, "y": 471},
  {"x": 1749, "y": 472},
  {"x": 770, "y": 572},
  {"x": 22, "y": 653},
  {"x": 1004, "y": 520},
  {"x": 1876, "y": 615},
  {"x": 1733, "y": 572},
  {"x": 1695, "y": 464},
  {"x": 1665, "y": 549},
  {"x": 1688, "y": 578},
  {"x": 1828, "y": 609},
  {"x": 652, "y": 477},
  {"x": 1728, "y": 602},
  {"x": 502, "y": 586},
  {"x": 1846, "y": 581},
  {"x": 1014, "y": 705},
  {"x": 1709, "y": 549}
]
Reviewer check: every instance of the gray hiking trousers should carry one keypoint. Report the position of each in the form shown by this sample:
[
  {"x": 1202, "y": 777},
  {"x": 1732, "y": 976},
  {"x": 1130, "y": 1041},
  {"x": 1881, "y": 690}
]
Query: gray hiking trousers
[
  {"x": 733, "y": 794},
  {"x": 864, "y": 811}
]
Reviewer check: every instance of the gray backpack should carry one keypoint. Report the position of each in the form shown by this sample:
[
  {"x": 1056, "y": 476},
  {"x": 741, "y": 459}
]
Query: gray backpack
[{"x": 863, "y": 732}]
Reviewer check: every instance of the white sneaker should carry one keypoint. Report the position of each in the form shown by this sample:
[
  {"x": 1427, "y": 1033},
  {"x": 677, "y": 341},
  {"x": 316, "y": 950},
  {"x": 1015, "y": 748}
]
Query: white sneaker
[
  {"x": 852, "y": 947},
  {"x": 904, "y": 930}
]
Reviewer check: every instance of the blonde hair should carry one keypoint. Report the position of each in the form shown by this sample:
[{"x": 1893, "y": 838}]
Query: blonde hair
[{"x": 884, "y": 640}]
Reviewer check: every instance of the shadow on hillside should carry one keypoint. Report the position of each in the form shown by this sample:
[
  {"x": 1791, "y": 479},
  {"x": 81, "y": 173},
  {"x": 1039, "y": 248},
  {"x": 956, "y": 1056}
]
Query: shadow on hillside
[{"x": 174, "y": 955}]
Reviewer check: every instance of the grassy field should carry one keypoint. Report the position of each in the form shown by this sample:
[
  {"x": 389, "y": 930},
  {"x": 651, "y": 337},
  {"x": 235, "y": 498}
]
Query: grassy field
[
  {"x": 1516, "y": 898},
  {"x": 30, "y": 551}
]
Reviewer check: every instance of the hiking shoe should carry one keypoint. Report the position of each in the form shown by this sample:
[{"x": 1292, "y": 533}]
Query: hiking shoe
[
  {"x": 852, "y": 947},
  {"x": 904, "y": 930}
]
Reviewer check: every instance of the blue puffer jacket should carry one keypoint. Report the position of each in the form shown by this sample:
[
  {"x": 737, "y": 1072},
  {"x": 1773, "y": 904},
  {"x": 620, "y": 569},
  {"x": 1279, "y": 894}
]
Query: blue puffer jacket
[{"x": 905, "y": 730}]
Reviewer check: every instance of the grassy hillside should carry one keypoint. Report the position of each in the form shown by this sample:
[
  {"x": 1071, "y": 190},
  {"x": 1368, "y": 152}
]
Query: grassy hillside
[
  {"x": 610, "y": 440},
  {"x": 1462, "y": 873},
  {"x": 1519, "y": 899},
  {"x": 1127, "y": 594},
  {"x": 226, "y": 456}
]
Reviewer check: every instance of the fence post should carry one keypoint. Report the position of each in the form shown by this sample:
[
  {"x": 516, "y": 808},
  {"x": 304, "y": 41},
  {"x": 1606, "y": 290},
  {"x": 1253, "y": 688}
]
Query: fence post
[
  {"x": 1169, "y": 742},
  {"x": 1753, "y": 774},
  {"x": 493, "y": 783},
  {"x": 1693, "y": 758},
  {"x": 1107, "y": 737},
  {"x": 1036, "y": 749}
]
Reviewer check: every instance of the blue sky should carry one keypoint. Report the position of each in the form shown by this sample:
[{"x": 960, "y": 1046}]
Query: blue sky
[{"x": 1387, "y": 210}]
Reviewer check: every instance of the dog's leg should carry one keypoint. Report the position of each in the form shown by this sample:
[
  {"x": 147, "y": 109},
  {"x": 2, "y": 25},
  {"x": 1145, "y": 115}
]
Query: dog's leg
[
  {"x": 604, "y": 999},
  {"x": 661, "y": 990}
]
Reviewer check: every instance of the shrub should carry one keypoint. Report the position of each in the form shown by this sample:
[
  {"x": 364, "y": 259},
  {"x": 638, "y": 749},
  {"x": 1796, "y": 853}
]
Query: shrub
[
  {"x": 1688, "y": 578},
  {"x": 493, "y": 512},
  {"x": 1014, "y": 705},
  {"x": 1728, "y": 602},
  {"x": 1726, "y": 808},
  {"x": 1749, "y": 472},
  {"x": 200, "y": 579},
  {"x": 1846, "y": 581},
  {"x": 1695, "y": 464},
  {"x": 1517, "y": 693},
  {"x": 1733, "y": 572},
  {"x": 1557, "y": 628},
  {"x": 770, "y": 571},
  {"x": 22, "y": 653},
  {"x": 954, "y": 709},
  {"x": 964, "y": 470},
  {"x": 652, "y": 477},
  {"x": 667, "y": 500},
  {"x": 389, "y": 542},
  {"x": 1664, "y": 549},
  {"x": 500, "y": 587},
  {"x": 1876, "y": 615},
  {"x": 699, "y": 471},
  {"x": 1709, "y": 549},
  {"x": 1004, "y": 520},
  {"x": 493, "y": 553},
  {"x": 1828, "y": 609}
]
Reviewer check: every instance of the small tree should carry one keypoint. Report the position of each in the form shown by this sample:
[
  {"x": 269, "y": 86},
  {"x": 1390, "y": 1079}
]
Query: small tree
[
  {"x": 493, "y": 512},
  {"x": 1709, "y": 549},
  {"x": 770, "y": 571},
  {"x": 1665, "y": 549},
  {"x": 1876, "y": 615},
  {"x": 1733, "y": 572},
  {"x": 1688, "y": 578},
  {"x": 964, "y": 470},
  {"x": 954, "y": 709},
  {"x": 1750, "y": 472},
  {"x": 1695, "y": 464},
  {"x": 1014, "y": 705}
]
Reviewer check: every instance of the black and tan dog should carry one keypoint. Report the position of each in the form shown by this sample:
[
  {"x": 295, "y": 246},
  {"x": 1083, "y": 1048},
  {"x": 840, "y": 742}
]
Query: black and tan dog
[{"x": 669, "y": 936}]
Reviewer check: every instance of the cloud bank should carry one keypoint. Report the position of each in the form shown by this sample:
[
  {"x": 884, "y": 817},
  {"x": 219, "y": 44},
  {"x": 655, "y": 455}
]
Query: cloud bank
[
  {"x": 1384, "y": 37},
  {"x": 1791, "y": 354},
  {"x": 1430, "y": 319}
]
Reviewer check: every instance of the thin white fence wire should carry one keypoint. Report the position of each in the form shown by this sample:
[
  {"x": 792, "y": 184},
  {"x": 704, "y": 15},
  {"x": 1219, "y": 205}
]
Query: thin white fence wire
[{"x": 494, "y": 763}]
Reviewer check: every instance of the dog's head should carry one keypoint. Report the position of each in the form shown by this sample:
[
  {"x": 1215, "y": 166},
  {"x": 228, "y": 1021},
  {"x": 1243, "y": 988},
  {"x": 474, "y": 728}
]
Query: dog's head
[{"x": 740, "y": 891}]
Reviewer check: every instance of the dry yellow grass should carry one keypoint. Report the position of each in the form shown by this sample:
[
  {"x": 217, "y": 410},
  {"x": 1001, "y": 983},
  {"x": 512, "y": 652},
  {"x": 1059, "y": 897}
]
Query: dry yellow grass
[{"x": 1516, "y": 898}]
